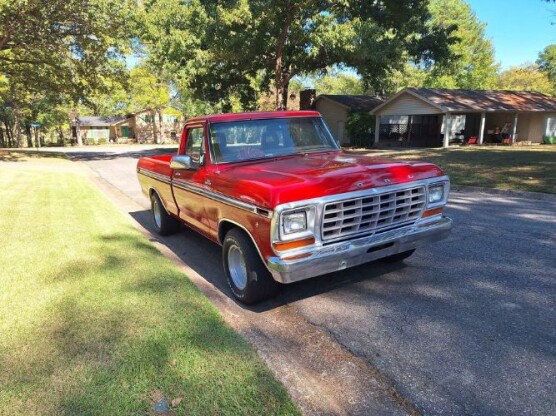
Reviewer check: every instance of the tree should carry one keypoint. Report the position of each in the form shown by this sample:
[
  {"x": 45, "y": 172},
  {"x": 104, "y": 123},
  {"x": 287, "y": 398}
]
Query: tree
[
  {"x": 61, "y": 48},
  {"x": 219, "y": 49},
  {"x": 473, "y": 65},
  {"x": 547, "y": 64},
  {"x": 527, "y": 77},
  {"x": 149, "y": 91},
  {"x": 339, "y": 83}
]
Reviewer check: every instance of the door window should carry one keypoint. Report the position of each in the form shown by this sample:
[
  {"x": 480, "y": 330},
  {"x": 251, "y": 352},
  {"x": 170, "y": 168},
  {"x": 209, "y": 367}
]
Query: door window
[{"x": 195, "y": 146}]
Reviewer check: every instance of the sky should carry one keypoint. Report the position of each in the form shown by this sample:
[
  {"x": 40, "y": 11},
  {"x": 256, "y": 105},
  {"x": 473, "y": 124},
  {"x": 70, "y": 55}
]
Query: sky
[{"x": 518, "y": 29}]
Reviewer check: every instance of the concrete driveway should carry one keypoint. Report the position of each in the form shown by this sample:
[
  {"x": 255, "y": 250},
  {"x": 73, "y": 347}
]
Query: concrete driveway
[{"x": 464, "y": 327}]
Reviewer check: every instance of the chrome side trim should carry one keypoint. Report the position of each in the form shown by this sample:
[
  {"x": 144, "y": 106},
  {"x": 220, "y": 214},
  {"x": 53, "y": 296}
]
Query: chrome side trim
[
  {"x": 216, "y": 196},
  {"x": 154, "y": 175}
]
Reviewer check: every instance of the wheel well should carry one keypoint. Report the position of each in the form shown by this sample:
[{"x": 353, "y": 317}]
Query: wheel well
[{"x": 223, "y": 229}]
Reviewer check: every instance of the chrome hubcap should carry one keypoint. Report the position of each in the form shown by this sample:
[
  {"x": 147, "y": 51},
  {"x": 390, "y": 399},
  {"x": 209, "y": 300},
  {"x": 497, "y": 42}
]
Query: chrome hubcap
[
  {"x": 236, "y": 267},
  {"x": 157, "y": 215}
]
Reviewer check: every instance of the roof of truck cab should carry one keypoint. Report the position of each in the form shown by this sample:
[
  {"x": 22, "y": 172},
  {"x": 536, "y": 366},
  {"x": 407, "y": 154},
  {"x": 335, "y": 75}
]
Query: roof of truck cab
[{"x": 213, "y": 118}]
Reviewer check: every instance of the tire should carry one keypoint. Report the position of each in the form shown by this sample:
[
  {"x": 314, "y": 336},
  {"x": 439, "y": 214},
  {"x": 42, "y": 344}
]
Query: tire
[
  {"x": 394, "y": 258},
  {"x": 164, "y": 224},
  {"x": 247, "y": 276}
]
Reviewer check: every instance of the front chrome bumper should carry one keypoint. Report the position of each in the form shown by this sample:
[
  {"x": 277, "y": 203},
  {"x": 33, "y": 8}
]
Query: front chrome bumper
[{"x": 340, "y": 256}]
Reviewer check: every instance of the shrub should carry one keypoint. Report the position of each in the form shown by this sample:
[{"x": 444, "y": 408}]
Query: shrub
[{"x": 359, "y": 126}]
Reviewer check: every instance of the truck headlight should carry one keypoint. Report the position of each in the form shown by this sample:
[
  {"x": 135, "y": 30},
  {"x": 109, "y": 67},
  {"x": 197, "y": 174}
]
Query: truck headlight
[
  {"x": 436, "y": 193},
  {"x": 294, "y": 222}
]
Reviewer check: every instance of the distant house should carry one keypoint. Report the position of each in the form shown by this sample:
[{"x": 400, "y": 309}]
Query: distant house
[
  {"x": 437, "y": 117},
  {"x": 98, "y": 129},
  {"x": 139, "y": 127},
  {"x": 335, "y": 110}
]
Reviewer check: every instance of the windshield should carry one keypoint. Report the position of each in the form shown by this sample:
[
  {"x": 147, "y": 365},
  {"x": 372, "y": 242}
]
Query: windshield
[{"x": 257, "y": 139}]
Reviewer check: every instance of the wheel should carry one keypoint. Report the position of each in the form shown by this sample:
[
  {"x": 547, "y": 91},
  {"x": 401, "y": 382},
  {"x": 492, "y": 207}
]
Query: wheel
[
  {"x": 397, "y": 257},
  {"x": 247, "y": 276},
  {"x": 164, "y": 224}
]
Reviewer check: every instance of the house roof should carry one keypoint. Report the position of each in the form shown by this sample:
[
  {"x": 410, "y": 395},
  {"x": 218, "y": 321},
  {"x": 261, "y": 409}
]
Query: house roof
[
  {"x": 102, "y": 121},
  {"x": 449, "y": 100},
  {"x": 354, "y": 102}
]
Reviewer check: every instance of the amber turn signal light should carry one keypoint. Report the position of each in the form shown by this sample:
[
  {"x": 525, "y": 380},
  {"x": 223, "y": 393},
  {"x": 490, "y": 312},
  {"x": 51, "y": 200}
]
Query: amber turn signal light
[
  {"x": 431, "y": 212},
  {"x": 294, "y": 244}
]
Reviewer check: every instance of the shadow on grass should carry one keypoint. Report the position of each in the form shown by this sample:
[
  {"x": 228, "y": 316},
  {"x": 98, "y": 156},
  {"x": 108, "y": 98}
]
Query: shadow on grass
[
  {"x": 130, "y": 324},
  {"x": 204, "y": 257},
  {"x": 23, "y": 156},
  {"x": 524, "y": 169}
]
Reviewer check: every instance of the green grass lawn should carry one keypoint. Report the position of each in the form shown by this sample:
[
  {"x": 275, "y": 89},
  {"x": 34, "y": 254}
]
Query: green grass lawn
[
  {"x": 526, "y": 168},
  {"x": 95, "y": 321}
]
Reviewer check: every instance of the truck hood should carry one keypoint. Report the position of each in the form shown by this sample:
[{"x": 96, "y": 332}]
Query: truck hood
[{"x": 269, "y": 183}]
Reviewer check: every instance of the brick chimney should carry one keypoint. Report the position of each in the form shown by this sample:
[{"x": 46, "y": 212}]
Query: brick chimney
[{"x": 307, "y": 98}]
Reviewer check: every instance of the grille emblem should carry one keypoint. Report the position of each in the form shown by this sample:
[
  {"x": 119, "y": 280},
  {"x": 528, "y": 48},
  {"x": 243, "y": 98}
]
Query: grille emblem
[
  {"x": 387, "y": 181},
  {"x": 359, "y": 184}
]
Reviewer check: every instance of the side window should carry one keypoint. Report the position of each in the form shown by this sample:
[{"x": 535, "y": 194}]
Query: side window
[{"x": 195, "y": 146}]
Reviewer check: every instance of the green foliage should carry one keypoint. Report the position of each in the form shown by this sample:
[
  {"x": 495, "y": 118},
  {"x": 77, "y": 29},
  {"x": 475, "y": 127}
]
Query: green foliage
[
  {"x": 59, "y": 52},
  {"x": 148, "y": 90},
  {"x": 359, "y": 126},
  {"x": 339, "y": 83},
  {"x": 219, "y": 50},
  {"x": 472, "y": 65},
  {"x": 547, "y": 64},
  {"x": 525, "y": 78}
]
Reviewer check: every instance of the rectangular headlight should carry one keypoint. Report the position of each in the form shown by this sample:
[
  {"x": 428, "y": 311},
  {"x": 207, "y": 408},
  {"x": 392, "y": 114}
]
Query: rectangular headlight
[
  {"x": 436, "y": 193},
  {"x": 294, "y": 222}
]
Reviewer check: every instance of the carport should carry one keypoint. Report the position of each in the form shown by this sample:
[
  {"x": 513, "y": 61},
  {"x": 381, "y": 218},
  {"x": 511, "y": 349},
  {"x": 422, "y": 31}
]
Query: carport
[{"x": 425, "y": 117}]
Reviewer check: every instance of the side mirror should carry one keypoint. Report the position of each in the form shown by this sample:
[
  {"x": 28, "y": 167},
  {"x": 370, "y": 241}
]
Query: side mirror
[{"x": 180, "y": 162}]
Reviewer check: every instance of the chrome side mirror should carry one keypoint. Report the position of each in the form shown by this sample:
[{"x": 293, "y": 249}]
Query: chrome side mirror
[{"x": 180, "y": 162}]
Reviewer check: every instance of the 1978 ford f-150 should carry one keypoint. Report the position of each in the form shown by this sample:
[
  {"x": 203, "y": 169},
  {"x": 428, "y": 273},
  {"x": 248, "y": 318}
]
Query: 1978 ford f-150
[{"x": 286, "y": 204}]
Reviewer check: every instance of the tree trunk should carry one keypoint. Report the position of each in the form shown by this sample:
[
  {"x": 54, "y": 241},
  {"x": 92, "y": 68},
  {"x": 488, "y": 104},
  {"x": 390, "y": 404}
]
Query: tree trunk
[
  {"x": 9, "y": 135},
  {"x": 155, "y": 133},
  {"x": 61, "y": 136},
  {"x": 159, "y": 112},
  {"x": 284, "y": 91},
  {"x": 37, "y": 141},
  {"x": 280, "y": 76},
  {"x": 78, "y": 134},
  {"x": 29, "y": 135},
  {"x": 17, "y": 127},
  {"x": 2, "y": 137}
]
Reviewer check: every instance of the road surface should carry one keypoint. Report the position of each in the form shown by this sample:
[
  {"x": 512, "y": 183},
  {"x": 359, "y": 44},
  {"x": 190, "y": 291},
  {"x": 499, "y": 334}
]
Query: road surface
[{"x": 466, "y": 326}]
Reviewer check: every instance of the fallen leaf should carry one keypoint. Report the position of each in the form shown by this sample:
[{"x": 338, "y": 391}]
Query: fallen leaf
[{"x": 175, "y": 402}]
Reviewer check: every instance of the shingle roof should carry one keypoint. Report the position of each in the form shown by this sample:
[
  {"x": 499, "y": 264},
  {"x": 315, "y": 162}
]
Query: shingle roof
[
  {"x": 355, "y": 102},
  {"x": 102, "y": 121},
  {"x": 487, "y": 100}
]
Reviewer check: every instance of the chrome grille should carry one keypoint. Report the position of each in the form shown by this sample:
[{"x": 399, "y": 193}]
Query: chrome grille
[{"x": 373, "y": 213}]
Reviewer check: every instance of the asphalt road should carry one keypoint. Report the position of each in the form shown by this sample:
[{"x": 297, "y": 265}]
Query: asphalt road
[{"x": 466, "y": 326}]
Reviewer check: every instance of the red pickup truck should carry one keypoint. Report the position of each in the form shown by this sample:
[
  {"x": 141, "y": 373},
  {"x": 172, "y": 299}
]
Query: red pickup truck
[{"x": 285, "y": 203}]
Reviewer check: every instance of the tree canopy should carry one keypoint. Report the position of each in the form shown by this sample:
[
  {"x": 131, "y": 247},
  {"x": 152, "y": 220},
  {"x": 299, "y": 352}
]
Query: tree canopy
[
  {"x": 55, "y": 51},
  {"x": 527, "y": 77},
  {"x": 472, "y": 65},
  {"x": 219, "y": 49},
  {"x": 547, "y": 64}
]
